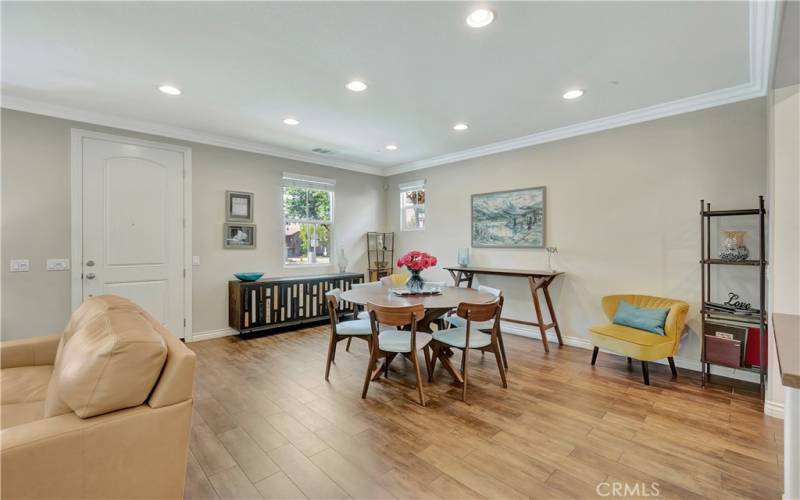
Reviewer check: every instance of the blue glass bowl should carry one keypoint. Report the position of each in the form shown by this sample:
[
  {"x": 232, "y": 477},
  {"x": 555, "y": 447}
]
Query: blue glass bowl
[{"x": 248, "y": 276}]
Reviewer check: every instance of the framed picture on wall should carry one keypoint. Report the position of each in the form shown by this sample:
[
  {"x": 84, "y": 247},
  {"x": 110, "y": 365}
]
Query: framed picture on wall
[
  {"x": 238, "y": 206},
  {"x": 241, "y": 236},
  {"x": 509, "y": 219}
]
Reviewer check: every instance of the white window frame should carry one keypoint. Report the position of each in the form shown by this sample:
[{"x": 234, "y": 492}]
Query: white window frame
[
  {"x": 407, "y": 187},
  {"x": 319, "y": 184}
]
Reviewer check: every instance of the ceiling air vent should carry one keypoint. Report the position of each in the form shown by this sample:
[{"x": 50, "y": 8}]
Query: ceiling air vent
[{"x": 322, "y": 151}]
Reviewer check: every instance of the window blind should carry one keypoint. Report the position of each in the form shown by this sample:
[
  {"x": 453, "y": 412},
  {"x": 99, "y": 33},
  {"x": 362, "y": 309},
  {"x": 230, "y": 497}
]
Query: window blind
[{"x": 308, "y": 181}]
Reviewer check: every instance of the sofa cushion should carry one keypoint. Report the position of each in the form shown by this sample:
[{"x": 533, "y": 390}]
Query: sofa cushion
[
  {"x": 109, "y": 361},
  {"x": 24, "y": 383},
  {"x": 14, "y": 414}
]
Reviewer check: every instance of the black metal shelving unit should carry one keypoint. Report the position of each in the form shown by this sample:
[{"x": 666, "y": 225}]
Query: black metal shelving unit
[{"x": 709, "y": 316}]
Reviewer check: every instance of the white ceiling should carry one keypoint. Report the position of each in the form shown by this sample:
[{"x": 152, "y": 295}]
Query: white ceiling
[{"x": 243, "y": 67}]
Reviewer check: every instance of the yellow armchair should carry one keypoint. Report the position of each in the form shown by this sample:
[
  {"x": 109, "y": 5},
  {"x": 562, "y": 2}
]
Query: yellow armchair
[{"x": 639, "y": 344}]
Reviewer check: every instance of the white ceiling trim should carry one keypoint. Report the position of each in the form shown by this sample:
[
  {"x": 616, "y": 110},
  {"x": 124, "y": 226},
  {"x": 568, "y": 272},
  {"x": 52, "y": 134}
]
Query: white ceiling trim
[
  {"x": 184, "y": 134},
  {"x": 763, "y": 18},
  {"x": 762, "y": 24}
]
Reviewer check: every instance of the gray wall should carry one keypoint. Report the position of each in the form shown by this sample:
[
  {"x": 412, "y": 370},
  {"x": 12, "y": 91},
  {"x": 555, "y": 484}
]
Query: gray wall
[
  {"x": 36, "y": 218},
  {"x": 622, "y": 208}
]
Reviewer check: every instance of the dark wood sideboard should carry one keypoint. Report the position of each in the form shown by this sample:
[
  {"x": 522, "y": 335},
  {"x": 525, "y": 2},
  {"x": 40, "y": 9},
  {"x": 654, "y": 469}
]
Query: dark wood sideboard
[{"x": 277, "y": 302}]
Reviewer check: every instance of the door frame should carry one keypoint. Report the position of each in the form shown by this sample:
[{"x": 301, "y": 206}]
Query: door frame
[{"x": 76, "y": 215}]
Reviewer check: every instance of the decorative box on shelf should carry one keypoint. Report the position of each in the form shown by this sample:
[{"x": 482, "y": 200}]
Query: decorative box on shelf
[{"x": 276, "y": 302}]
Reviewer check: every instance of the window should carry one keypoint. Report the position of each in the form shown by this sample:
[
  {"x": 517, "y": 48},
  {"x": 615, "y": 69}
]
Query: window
[
  {"x": 412, "y": 206},
  {"x": 307, "y": 220}
]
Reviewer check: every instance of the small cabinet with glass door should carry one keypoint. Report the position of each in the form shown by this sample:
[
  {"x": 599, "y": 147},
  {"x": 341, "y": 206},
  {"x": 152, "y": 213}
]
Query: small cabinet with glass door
[{"x": 380, "y": 252}]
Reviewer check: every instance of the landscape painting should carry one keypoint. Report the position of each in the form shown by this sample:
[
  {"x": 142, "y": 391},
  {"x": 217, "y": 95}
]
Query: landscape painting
[{"x": 509, "y": 219}]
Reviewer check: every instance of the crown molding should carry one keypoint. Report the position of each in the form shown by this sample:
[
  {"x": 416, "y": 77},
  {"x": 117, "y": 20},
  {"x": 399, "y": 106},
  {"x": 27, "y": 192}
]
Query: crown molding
[
  {"x": 762, "y": 32},
  {"x": 762, "y": 29},
  {"x": 184, "y": 134}
]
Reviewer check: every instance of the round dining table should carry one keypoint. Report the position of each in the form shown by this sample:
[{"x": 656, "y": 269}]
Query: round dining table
[{"x": 435, "y": 304}]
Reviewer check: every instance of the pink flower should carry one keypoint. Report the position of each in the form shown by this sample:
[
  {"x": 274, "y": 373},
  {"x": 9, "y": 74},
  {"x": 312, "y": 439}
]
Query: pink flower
[{"x": 416, "y": 260}]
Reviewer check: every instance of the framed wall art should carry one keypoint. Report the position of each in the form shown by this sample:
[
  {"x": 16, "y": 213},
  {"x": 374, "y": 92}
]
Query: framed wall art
[
  {"x": 238, "y": 206},
  {"x": 509, "y": 219},
  {"x": 239, "y": 236}
]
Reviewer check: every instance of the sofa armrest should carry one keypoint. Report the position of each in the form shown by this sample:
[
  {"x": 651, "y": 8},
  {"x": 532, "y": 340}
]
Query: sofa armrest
[
  {"x": 29, "y": 352},
  {"x": 133, "y": 453}
]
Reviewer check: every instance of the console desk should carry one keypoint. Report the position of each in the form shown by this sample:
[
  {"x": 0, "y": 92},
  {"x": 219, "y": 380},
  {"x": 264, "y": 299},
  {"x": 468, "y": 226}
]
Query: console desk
[{"x": 537, "y": 280}]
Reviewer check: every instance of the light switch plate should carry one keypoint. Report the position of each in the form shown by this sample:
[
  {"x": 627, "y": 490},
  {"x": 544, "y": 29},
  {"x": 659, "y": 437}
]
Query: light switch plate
[
  {"x": 20, "y": 265},
  {"x": 195, "y": 260},
  {"x": 57, "y": 264}
]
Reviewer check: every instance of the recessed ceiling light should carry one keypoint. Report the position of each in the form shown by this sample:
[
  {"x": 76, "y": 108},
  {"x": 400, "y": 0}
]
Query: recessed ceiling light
[
  {"x": 391, "y": 147},
  {"x": 291, "y": 121},
  {"x": 460, "y": 126},
  {"x": 572, "y": 94},
  {"x": 479, "y": 18},
  {"x": 169, "y": 90},
  {"x": 357, "y": 86}
]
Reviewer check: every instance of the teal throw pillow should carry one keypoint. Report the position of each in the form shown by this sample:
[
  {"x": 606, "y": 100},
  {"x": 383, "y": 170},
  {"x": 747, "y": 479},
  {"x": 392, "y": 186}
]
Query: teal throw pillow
[{"x": 649, "y": 319}]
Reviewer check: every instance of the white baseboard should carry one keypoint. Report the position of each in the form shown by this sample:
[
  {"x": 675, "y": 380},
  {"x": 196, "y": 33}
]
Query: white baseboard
[
  {"x": 773, "y": 409},
  {"x": 686, "y": 364},
  {"x": 211, "y": 334}
]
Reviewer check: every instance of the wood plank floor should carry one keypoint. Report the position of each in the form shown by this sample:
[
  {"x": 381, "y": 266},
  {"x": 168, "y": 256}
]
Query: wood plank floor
[{"x": 266, "y": 424}]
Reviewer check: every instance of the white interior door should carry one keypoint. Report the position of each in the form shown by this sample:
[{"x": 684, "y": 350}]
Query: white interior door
[{"x": 133, "y": 234}]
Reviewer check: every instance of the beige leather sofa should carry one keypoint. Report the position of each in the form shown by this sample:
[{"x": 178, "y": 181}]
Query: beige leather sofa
[{"x": 102, "y": 410}]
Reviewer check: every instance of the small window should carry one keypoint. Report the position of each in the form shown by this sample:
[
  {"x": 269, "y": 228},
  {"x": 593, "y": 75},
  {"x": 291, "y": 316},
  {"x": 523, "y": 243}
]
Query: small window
[
  {"x": 412, "y": 210},
  {"x": 308, "y": 221}
]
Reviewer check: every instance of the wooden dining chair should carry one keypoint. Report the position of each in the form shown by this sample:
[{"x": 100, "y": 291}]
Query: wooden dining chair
[
  {"x": 361, "y": 314},
  {"x": 341, "y": 330},
  {"x": 468, "y": 338},
  {"x": 485, "y": 326},
  {"x": 388, "y": 343}
]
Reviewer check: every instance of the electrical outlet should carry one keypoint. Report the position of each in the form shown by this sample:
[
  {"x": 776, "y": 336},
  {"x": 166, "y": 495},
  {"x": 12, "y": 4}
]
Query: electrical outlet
[
  {"x": 57, "y": 264},
  {"x": 20, "y": 265}
]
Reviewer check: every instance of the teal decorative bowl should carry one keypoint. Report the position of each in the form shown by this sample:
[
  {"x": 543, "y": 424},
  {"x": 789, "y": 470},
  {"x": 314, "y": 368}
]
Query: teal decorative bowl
[{"x": 248, "y": 276}]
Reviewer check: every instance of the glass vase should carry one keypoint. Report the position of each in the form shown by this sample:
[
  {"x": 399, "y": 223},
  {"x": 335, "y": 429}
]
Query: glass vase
[
  {"x": 463, "y": 257},
  {"x": 732, "y": 247},
  {"x": 415, "y": 283}
]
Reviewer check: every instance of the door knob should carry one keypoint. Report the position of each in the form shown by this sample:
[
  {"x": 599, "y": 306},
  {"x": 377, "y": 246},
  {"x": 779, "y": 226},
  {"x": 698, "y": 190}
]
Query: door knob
[
  {"x": 89, "y": 276},
  {"x": 90, "y": 263}
]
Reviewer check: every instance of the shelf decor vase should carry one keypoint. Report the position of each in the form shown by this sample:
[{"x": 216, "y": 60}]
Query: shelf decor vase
[
  {"x": 463, "y": 257},
  {"x": 342, "y": 261},
  {"x": 733, "y": 247},
  {"x": 415, "y": 282}
]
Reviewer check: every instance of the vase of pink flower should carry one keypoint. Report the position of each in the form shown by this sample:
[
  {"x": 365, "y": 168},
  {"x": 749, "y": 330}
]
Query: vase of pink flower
[{"x": 415, "y": 261}]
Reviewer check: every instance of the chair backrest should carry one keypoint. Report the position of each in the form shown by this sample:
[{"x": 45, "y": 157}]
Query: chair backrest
[
  {"x": 676, "y": 318},
  {"x": 333, "y": 296},
  {"x": 479, "y": 312},
  {"x": 487, "y": 289},
  {"x": 396, "y": 316},
  {"x": 362, "y": 285}
]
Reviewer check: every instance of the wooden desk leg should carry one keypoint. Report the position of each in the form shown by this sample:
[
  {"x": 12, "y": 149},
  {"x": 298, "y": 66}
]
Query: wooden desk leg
[
  {"x": 552, "y": 310},
  {"x": 456, "y": 277},
  {"x": 470, "y": 276},
  {"x": 535, "y": 284}
]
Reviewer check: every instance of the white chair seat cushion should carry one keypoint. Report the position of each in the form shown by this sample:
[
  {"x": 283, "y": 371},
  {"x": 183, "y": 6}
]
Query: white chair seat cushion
[
  {"x": 363, "y": 315},
  {"x": 400, "y": 340},
  {"x": 460, "y": 322},
  {"x": 354, "y": 327},
  {"x": 457, "y": 337}
]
